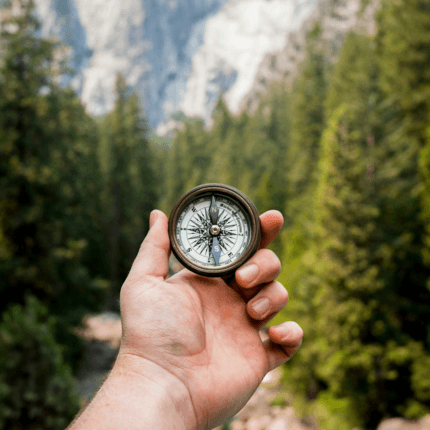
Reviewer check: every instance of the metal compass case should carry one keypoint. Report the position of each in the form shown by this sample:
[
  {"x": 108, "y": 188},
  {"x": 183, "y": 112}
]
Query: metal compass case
[{"x": 214, "y": 229}]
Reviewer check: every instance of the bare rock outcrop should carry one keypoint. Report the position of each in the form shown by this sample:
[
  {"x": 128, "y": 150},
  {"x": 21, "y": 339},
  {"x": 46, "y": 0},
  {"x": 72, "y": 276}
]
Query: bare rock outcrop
[{"x": 336, "y": 18}]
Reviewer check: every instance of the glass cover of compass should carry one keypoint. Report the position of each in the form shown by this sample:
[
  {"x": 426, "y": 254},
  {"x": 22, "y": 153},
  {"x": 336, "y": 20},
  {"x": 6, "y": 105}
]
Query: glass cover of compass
[{"x": 214, "y": 229}]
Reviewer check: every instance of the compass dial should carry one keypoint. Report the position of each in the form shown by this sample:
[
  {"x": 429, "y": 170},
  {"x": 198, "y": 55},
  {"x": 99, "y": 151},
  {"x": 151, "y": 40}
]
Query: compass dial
[
  {"x": 214, "y": 229},
  {"x": 194, "y": 235}
]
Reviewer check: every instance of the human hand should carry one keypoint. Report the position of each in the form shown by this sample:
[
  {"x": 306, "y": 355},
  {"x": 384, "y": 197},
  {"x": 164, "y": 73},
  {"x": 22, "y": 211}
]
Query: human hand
[{"x": 201, "y": 334}]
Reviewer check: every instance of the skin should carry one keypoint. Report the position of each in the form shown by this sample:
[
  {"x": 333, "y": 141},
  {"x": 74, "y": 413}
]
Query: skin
[{"x": 191, "y": 355}]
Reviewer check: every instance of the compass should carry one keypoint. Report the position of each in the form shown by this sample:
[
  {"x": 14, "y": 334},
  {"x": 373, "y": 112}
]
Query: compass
[{"x": 214, "y": 229}]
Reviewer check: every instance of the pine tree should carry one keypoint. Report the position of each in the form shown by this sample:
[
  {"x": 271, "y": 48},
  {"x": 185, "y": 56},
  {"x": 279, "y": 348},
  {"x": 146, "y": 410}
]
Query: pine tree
[
  {"x": 360, "y": 282},
  {"x": 188, "y": 161},
  {"x": 278, "y": 132},
  {"x": 348, "y": 269},
  {"x": 404, "y": 53},
  {"x": 307, "y": 125},
  {"x": 403, "y": 49},
  {"x": 37, "y": 389},
  {"x": 46, "y": 177},
  {"x": 41, "y": 152},
  {"x": 354, "y": 79},
  {"x": 128, "y": 184}
]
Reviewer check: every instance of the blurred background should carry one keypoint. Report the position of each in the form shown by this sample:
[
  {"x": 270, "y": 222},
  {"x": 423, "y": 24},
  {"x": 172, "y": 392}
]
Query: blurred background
[{"x": 317, "y": 108}]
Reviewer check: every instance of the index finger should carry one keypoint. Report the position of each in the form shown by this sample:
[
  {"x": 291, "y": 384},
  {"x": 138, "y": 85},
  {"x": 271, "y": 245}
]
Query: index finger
[{"x": 271, "y": 223}]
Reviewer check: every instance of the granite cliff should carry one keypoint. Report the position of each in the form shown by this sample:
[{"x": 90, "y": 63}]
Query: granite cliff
[{"x": 181, "y": 55}]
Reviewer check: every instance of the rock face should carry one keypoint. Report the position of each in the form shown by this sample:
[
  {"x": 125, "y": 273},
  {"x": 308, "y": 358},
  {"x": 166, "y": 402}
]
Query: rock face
[
  {"x": 151, "y": 41},
  {"x": 236, "y": 40},
  {"x": 177, "y": 54},
  {"x": 181, "y": 55},
  {"x": 336, "y": 18}
]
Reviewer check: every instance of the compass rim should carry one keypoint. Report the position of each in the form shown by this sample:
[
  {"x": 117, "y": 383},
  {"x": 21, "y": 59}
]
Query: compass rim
[{"x": 246, "y": 204}]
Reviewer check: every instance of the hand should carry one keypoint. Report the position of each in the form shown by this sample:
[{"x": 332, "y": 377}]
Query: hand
[{"x": 201, "y": 334}]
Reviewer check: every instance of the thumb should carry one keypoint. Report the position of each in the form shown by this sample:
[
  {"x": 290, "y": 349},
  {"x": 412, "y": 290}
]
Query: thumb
[{"x": 153, "y": 256}]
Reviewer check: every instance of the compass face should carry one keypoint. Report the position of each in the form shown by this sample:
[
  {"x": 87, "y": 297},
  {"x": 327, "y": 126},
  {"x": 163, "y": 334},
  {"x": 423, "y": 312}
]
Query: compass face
[
  {"x": 213, "y": 229},
  {"x": 193, "y": 231}
]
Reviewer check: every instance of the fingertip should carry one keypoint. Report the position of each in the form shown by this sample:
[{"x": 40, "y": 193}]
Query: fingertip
[
  {"x": 153, "y": 255},
  {"x": 154, "y": 216},
  {"x": 271, "y": 223},
  {"x": 284, "y": 341},
  {"x": 158, "y": 229},
  {"x": 272, "y": 219}
]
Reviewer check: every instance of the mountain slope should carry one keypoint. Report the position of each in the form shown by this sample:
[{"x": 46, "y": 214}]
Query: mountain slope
[
  {"x": 151, "y": 41},
  {"x": 336, "y": 18},
  {"x": 235, "y": 42},
  {"x": 181, "y": 55}
]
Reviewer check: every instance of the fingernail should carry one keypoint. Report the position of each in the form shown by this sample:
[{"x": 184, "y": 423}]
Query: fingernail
[
  {"x": 248, "y": 273},
  {"x": 152, "y": 218},
  {"x": 284, "y": 331},
  {"x": 261, "y": 306}
]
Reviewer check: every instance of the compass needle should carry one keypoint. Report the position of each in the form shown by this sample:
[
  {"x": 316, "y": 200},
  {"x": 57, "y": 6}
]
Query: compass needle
[
  {"x": 216, "y": 250},
  {"x": 214, "y": 211}
]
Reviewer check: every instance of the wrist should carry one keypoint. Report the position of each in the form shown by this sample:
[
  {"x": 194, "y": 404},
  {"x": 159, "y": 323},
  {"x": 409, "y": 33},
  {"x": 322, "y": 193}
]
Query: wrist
[{"x": 138, "y": 394}]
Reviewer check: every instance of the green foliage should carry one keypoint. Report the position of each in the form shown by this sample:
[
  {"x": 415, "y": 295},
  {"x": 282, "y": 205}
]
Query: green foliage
[
  {"x": 45, "y": 160},
  {"x": 37, "y": 389},
  {"x": 340, "y": 154},
  {"x": 354, "y": 79},
  {"x": 404, "y": 53},
  {"x": 245, "y": 152},
  {"x": 345, "y": 154},
  {"x": 348, "y": 278},
  {"x": 279, "y": 400},
  {"x": 352, "y": 255},
  {"x": 128, "y": 185},
  {"x": 59, "y": 201},
  {"x": 424, "y": 164},
  {"x": 307, "y": 125},
  {"x": 335, "y": 413}
]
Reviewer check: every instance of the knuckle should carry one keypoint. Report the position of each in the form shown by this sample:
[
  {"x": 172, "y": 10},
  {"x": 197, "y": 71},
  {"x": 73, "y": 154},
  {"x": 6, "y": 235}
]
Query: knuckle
[
  {"x": 266, "y": 254},
  {"x": 269, "y": 259}
]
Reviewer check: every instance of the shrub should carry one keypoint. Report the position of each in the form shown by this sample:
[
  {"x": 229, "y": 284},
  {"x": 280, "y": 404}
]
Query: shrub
[{"x": 37, "y": 389}]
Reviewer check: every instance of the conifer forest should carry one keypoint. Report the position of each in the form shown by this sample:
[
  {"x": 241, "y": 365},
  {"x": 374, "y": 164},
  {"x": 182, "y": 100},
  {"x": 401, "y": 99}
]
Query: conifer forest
[{"x": 343, "y": 153}]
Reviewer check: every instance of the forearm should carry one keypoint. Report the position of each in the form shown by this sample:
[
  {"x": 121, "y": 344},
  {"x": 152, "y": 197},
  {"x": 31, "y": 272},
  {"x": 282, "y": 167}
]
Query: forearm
[{"x": 136, "y": 400}]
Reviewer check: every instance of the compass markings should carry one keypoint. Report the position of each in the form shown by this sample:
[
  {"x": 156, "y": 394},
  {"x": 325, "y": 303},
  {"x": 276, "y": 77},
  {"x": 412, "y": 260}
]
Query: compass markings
[{"x": 195, "y": 225}]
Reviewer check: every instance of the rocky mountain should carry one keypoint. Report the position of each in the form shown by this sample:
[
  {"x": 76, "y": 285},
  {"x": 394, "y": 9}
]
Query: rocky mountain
[
  {"x": 181, "y": 55},
  {"x": 336, "y": 18},
  {"x": 236, "y": 40},
  {"x": 151, "y": 41}
]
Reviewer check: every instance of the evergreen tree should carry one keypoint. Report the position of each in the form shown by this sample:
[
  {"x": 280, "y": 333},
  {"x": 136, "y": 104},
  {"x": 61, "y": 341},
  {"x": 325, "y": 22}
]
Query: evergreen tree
[
  {"x": 307, "y": 125},
  {"x": 37, "y": 389},
  {"x": 188, "y": 162},
  {"x": 128, "y": 184},
  {"x": 358, "y": 275},
  {"x": 425, "y": 199},
  {"x": 47, "y": 217},
  {"x": 278, "y": 133},
  {"x": 348, "y": 270},
  {"x": 403, "y": 43},
  {"x": 354, "y": 79},
  {"x": 41, "y": 152},
  {"x": 404, "y": 52},
  {"x": 403, "y": 48}
]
